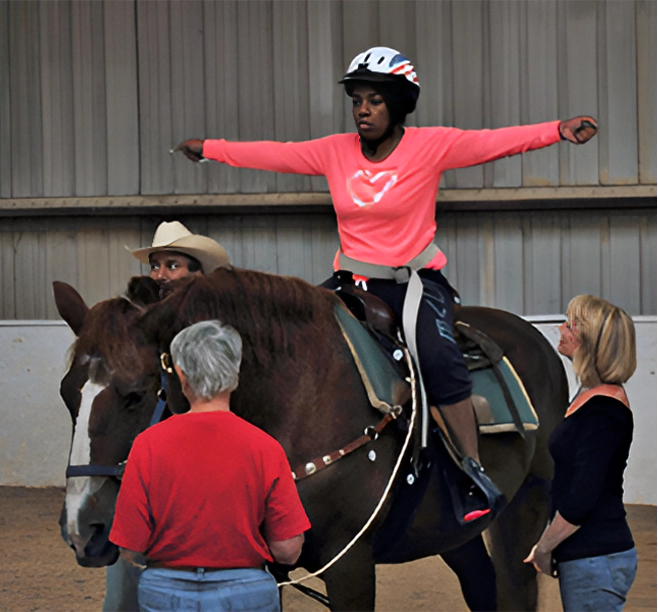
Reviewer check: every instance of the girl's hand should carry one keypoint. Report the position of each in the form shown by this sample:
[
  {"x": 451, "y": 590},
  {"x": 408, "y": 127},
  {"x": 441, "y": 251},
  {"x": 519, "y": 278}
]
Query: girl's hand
[
  {"x": 578, "y": 130},
  {"x": 192, "y": 149}
]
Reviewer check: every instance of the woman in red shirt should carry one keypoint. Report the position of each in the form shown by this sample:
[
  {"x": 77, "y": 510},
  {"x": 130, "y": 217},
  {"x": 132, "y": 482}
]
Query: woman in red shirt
[
  {"x": 207, "y": 539},
  {"x": 384, "y": 181}
]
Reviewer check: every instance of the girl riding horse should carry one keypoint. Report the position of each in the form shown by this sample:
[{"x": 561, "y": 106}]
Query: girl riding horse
[{"x": 384, "y": 182}]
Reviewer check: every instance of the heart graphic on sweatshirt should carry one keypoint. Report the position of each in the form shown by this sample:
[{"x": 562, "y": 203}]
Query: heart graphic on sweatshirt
[{"x": 368, "y": 188}]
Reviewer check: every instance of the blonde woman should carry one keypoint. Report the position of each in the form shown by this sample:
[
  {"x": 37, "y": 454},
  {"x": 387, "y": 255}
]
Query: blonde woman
[{"x": 589, "y": 543}]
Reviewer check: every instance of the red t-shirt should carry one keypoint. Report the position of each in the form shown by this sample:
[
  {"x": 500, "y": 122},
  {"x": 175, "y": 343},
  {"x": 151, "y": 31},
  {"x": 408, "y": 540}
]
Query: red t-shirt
[
  {"x": 206, "y": 490},
  {"x": 386, "y": 210}
]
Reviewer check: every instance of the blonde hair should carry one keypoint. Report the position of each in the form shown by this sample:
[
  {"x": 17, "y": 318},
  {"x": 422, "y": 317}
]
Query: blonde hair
[{"x": 606, "y": 353}]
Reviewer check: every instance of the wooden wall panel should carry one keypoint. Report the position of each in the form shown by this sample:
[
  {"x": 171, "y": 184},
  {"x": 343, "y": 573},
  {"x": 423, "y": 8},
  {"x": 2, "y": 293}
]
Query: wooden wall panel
[
  {"x": 89, "y": 101},
  {"x": 581, "y": 262},
  {"x": 255, "y": 85},
  {"x": 121, "y": 97},
  {"x": 7, "y": 273},
  {"x": 645, "y": 20},
  {"x": 93, "y": 95},
  {"x": 326, "y": 98},
  {"x": 5, "y": 104},
  {"x": 61, "y": 262},
  {"x": 503, "y": 85},
  {"x": 292, "y": 110},
  {"x": 539, "y": 96},
  {"x": 186, "y": 23},
  {"x": 509, "y": 262},
  {"x": 647, "y": 267},
  {"x": 468, "y": 84},
  {"x": 56, "y": 98},
  {"x": 25, "y": 100},
  {"x": 618, "y": 140},
  {"x": 360, "y": 32},
  {"x": 529, "y": 263},
  {"x": 221, "y": 87},
  {"x": 577, "y": 85},
  {"x": 155, "y": 98},
  {"x": 29, "y": 271},
  {"x": 625, "y": 263},
  {"x": 542, "y": 253}
]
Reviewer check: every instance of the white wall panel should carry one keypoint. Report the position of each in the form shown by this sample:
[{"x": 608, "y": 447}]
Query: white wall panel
[{"x": 36, "y": 432}]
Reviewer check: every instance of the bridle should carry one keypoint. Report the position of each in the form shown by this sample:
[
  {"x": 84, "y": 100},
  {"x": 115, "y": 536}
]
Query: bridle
[{"x": 116, "y": 471}]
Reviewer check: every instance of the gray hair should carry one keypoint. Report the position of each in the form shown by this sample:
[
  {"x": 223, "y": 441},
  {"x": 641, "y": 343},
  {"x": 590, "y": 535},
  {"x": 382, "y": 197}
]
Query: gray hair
[{"x": 209, "y": 355}]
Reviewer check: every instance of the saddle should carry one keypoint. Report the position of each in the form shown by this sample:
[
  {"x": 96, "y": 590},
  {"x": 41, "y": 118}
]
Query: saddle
[{"x": 500, "y": 400}]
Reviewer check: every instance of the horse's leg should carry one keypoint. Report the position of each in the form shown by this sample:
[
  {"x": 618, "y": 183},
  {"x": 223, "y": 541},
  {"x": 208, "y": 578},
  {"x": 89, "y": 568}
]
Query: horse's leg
[
  {"x": 351, "y": 582},
  {"x": 121, "y": 581},
  {"x": 510, "y": 538},
  {"x": 475, "y": 571}
]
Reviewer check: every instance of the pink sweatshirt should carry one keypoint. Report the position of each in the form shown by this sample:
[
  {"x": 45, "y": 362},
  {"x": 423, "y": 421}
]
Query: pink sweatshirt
[{"x": 386, "y": 210}]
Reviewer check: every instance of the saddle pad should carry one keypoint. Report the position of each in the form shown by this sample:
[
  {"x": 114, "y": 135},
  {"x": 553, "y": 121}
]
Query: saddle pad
[
  {"x": 486, "y": 384},
  {"x": 385, "y": 386}
]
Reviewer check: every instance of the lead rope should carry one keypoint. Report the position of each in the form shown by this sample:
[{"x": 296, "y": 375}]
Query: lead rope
[{"x": 378, "y": 507}]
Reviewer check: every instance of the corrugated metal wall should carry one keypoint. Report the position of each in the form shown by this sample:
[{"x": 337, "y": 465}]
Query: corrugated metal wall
[
  {"x": 528, "y": 263},
  {"x": 94, "y": 94}
]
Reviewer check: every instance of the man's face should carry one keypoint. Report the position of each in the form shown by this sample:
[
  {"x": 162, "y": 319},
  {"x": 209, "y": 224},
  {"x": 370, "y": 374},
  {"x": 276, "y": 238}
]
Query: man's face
[{"x": 168, "y": 266}]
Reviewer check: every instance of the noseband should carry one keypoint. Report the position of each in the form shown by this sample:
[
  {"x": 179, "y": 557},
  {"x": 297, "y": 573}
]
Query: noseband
[{"x": 116, "y": 471}]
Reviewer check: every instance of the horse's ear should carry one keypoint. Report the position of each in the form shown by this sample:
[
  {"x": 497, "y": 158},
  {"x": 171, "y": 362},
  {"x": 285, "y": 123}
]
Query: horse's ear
[
  {"x": 70, "y": 305},
  {"x": 143, "y": 291}
]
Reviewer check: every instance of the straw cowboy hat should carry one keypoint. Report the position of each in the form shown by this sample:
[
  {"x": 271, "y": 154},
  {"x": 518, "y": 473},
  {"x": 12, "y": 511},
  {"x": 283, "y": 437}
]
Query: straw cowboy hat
[{"x": 174, "y": 236}]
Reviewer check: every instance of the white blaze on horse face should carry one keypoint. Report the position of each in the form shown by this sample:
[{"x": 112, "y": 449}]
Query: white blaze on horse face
[{"x": 80, "y": 488}]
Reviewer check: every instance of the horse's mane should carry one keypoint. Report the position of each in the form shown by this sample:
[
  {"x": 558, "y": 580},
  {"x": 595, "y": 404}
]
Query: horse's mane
[
  {"x": 107, "y": 334},
  {"x": 266, "y": 309}
]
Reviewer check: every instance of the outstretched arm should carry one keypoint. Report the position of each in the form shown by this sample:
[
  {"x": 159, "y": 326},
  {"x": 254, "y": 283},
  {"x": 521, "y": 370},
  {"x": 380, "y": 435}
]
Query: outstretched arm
[
  {"x": 306, "y": 157},
  {"x": 462, "y": 148}
]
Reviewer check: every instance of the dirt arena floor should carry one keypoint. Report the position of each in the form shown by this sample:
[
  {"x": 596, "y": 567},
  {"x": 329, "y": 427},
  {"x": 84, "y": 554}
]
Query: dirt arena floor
[{"x": 38, "y": 571}]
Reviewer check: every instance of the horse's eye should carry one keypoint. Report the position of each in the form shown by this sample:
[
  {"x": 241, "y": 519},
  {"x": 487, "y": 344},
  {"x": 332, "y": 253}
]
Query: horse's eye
[{"x": 132, "y": 399}]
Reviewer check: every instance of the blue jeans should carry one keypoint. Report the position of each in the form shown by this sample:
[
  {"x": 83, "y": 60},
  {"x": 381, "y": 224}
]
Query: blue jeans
[
  {"x": 252, "y": 590},
  {"x": 599, "y": 584}
]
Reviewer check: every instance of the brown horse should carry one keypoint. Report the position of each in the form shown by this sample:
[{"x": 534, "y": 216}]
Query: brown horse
[{"x": 299, "y": 383}]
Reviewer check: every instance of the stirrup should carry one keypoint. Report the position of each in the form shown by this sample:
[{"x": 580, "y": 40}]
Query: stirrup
[{"x": 483, "y": 497}]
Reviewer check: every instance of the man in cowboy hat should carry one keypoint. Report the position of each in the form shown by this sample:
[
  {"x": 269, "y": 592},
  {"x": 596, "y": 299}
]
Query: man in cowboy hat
[{"x": 176, "y": 253}]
